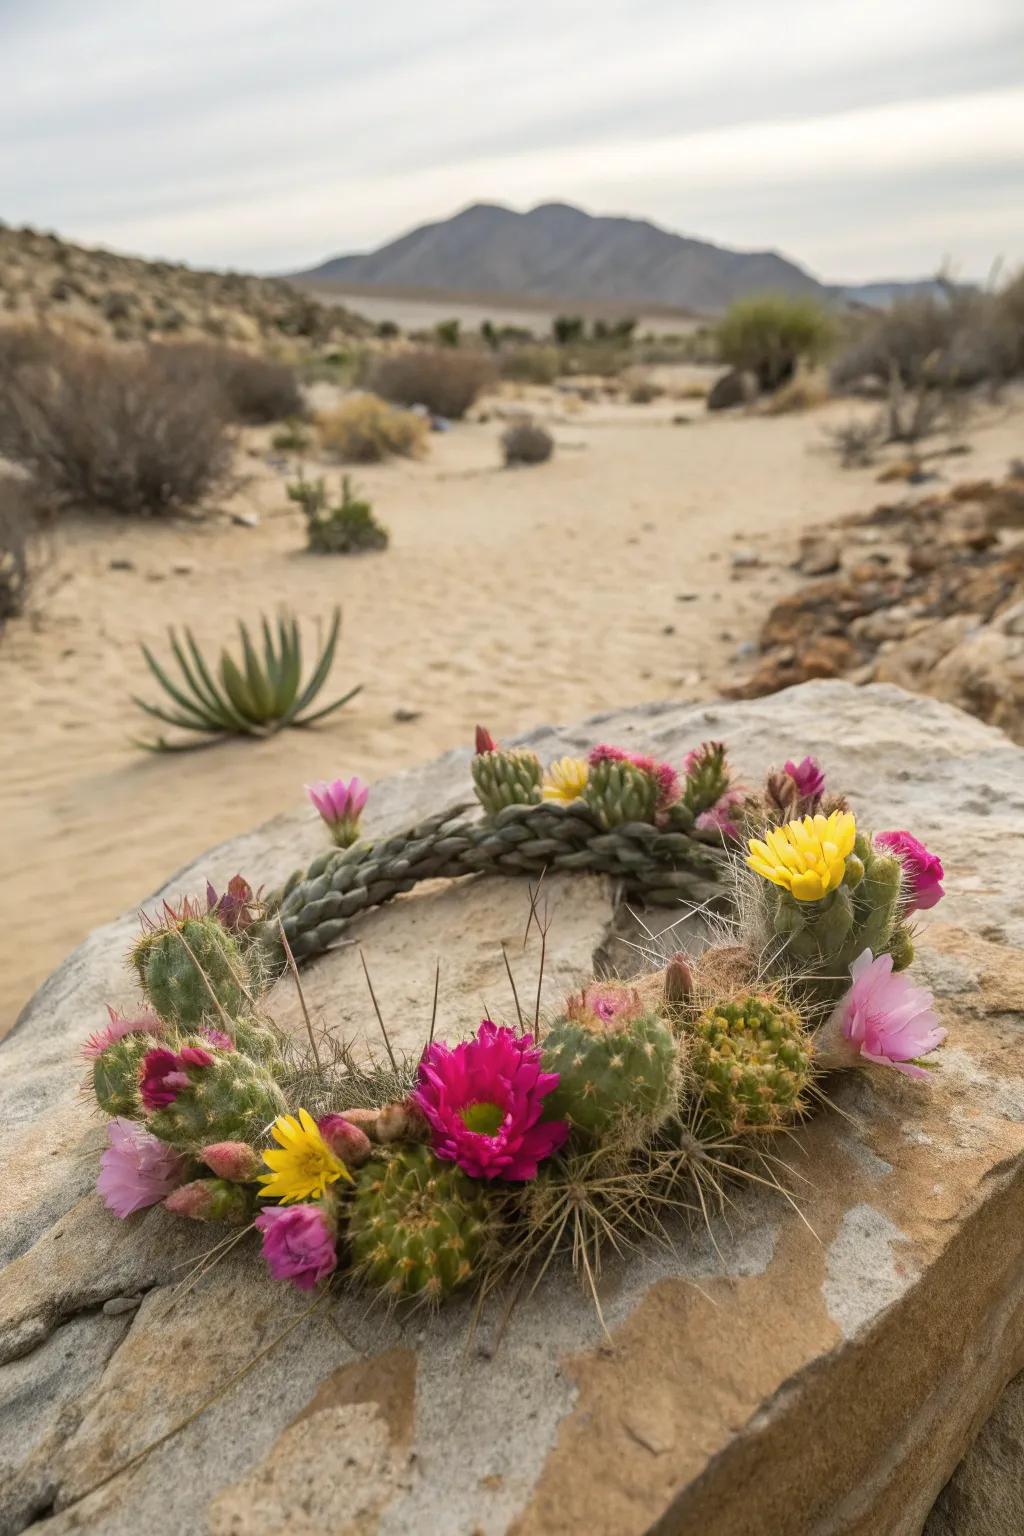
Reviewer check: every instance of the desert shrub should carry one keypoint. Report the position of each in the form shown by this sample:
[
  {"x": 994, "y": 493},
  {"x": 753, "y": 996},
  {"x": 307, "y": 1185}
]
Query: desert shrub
[
  {"x": 530, "y": 365},
  {"x": 769, "y": 334},
  {"x": 803, "y": 392},
  {"x": 115, "y": 430},
  {"x": 387, "y": 330},
  {"x": 445, "y": 380},
  {"x": 17, "y": 536},
  {"x": 567, "y": 329},
  {"x": 526, "y": 442},
  {"x": 643, "y": 391},
  {"x": 856, "y": 441},
  {"x": 256, "y": 390},
  {"x": 447, "y": 332},
  {"x": 349, "y": 528},
  {"x": 293, "y": 437},
  {"x": 365, "y": 429}
]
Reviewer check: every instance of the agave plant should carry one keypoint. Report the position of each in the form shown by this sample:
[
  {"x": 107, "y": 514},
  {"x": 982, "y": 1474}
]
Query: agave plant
[{"x": 250, "y": 697}]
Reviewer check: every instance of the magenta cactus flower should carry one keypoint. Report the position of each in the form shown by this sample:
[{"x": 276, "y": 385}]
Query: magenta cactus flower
[
  {"x": 483, "y": 1101},
  {"x": 484, "y": 741},
  {"x": 341, "y": 806},
  {"x": 137, "y": 1169},
  {"x": 165, "y": 1073},
  {"x": 883, "y": 1018},
  {"x": 236, "y": 907},
  {"x": 119, "y": 1025},
  {"x": 922, "y": 870},
  {"x": 720, "y": 816},
  {"x": 345, "y": 1139},
  {"x": 808, "y": 777},
  {"x": 298, "y": 1244}
]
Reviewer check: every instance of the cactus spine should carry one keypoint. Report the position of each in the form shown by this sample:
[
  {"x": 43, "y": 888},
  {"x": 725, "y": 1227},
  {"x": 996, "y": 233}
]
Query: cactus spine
[
  {"x": 418, "y": 1226},
  {"x": 617, "y": 1063},
  {"x": 752, "y": 1063}
]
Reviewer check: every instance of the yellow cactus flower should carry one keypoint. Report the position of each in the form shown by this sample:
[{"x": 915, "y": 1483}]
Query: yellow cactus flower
[
  {"x": 304, "y": 1166},
  {"x": 808, "y": 857},
  {"x": 566, "y": 780}
]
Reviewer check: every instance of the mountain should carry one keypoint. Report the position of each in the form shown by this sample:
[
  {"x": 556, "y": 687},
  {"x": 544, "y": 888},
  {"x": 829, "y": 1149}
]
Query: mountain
[{"x": 559, "y": 252}]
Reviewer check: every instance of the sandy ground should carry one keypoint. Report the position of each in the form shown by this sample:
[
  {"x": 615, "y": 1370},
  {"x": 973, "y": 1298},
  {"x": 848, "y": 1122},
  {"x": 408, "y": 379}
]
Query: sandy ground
[{"x": 602, "y": 578}]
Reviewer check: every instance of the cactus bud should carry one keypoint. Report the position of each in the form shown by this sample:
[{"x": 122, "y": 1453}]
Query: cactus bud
[
  {"x": 347, "y": 1141},
  {"x": 678, "y": 981},
  {"x": 233, "y": 1160},
  {"x": 485, "y": 742},
  {"x": 212, "y": 1200}
]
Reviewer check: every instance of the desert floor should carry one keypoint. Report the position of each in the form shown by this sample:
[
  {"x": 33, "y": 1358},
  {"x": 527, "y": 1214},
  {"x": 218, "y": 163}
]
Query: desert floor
[{"x": 605, "y": 577}]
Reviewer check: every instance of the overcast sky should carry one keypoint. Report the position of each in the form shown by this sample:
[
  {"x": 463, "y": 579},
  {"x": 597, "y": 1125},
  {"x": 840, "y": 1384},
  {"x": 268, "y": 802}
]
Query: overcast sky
[{"x": 864, "y": 138}]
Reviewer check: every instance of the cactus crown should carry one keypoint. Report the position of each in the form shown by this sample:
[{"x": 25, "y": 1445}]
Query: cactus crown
[
  {"x": 418, "y": 1227},
  {"x": 752, "y": 1061}
]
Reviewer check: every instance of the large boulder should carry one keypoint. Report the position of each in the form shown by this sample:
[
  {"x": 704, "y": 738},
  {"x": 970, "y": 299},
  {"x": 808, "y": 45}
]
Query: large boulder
[{"x": 819, "y": 1369}]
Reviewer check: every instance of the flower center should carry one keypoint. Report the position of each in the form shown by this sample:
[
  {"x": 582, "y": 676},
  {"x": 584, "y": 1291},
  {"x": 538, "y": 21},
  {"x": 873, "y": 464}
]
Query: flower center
[{"x": 483, "y": 1118}]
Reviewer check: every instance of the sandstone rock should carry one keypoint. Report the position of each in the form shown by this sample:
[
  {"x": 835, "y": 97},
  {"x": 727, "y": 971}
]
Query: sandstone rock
[
  {"x": 771, "y": 1377},
  {"x": 985, "y": 1495},
  {"x": 819, "y": 555}
]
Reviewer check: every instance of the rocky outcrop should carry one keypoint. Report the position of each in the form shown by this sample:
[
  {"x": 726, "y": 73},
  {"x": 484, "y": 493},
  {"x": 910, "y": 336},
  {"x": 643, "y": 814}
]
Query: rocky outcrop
[
  {"x": 928, "y": 594},
  {"x": 820, "y": 1371}
]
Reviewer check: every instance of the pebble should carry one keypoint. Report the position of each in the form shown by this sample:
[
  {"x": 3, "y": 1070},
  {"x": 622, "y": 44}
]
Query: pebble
[
  {"x": 406, "y": 716},
  {"x": 245, "y": 519},
  {"x": 120, "y": 563},
  {"x": 744, "y": 559}
]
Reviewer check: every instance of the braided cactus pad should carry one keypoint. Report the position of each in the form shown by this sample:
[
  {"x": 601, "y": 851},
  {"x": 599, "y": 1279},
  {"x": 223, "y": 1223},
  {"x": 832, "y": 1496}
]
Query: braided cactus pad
[{"x": 656, "y": 866}]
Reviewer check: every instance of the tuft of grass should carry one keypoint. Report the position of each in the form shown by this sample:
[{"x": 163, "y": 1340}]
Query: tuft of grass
[
  {"x": 804, "y": 391},
  {"x": 17, "y": 539},
  {"x": 446, "y": 380},
  {"x": 530, "y": 364},
  {"x": 247, "y": 697},
  {"x": 367, "y": 430}
]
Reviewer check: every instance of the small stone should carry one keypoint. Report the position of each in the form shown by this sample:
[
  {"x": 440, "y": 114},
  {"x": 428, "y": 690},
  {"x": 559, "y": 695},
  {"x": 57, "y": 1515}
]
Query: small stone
[
  {"x": 122, "y": 563},
  {"x": 405, "y": 716},
  {"x": 668, "y": 629},
  {"x": 746, "y": 650},
  {"x": 744, "y": 559},
  {"x": 245, "y": 519},
  {"x": 687, "y": 597},
  {"x": 183, "y": 567}
]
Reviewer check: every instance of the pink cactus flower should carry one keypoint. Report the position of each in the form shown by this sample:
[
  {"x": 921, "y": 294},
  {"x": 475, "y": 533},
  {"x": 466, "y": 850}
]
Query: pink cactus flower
[
  {"x": 923, "y": 870},
  {"x": 483, "y": 1102},
  {"x": 298, "y": 1244},
  {"x": 665, "y": 777},
  {"x": 720, "y": 817},
  {"x": 341, "y": 806},
  {"x": 485, "y": 742},
  {"x": 120, "y": 1025},
  {"x": 137, "y": 1169},
  {"x": 808, "y": 777},
  {"x": 610, "y": 1001},
  {"x": 218, "y": 1038},
  {"x": 883, "y": 1018},
  {"x": 164, "y": 1073}
]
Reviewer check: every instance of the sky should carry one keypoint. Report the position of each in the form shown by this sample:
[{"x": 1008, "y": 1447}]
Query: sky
[{"x": 863, "y": 138}]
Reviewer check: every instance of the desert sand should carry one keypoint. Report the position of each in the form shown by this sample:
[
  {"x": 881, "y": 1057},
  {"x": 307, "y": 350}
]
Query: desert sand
[{"x": 603, "y": 578}]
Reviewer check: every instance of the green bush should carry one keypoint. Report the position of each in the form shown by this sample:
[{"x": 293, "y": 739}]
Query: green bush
[
  {"x": 567, "y": 329},
  {"x": 447, "y": 332},
  {"x": 530, "y": 365},
  {"x": 526, "y": 442},
  {"x": 346, "y": 529},
  {"x": 768, "y": 334}
]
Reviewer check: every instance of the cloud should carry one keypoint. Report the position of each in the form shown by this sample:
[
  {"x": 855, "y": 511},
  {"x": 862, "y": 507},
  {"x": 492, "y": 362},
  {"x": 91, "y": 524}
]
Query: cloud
[{"x": 272, "y": 134}]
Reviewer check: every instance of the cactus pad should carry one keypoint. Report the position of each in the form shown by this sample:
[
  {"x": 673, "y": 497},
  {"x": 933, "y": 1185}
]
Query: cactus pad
[
  {"x": 232, "y": 1099},
  {"x": 617, "y": 1063},
  {"x": 188, "y": 968},
  {"x": 115, "y": 1075}
]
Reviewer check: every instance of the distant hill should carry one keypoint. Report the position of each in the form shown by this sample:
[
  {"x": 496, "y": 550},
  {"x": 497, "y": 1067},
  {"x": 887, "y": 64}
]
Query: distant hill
[{"x": 559, "y": 252}]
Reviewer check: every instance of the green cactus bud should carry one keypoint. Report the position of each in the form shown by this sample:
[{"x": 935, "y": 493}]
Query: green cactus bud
[
  {"x": 506, "y": 776},
  {"x": 854, "y": 871},
  {"x": 618, "y": 791},
  {"x": 707, "y": 776},
  {"x": 189, "y": 968},
  {"x": 834, "y": 921},
  {"x": 115, "y": 1075},
  {"x": 617, "y": 1063},
  {"x": 418, "y": 1227},
  {"x": 230, "y": 1099},
  {"x": 752, "y": 1062},
  {"x": 901, "y": 947}
]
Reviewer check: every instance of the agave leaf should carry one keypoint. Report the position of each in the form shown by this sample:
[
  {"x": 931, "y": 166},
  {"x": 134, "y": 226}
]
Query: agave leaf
[
  {"x": 291, "y": 651},
  {"x": 233, "y": 721},
  {"x": 328, "y": 708},
  {"x": 272, "y": 668},
  {"x": 259, "y": 685},
  {"x": 171, "y": 719},
  {"x": 195, "y": 709},
  {"x": 209, "y": 702},
  {"x": 237, "y": 691},
  {"x": 320, "y": 672}
]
